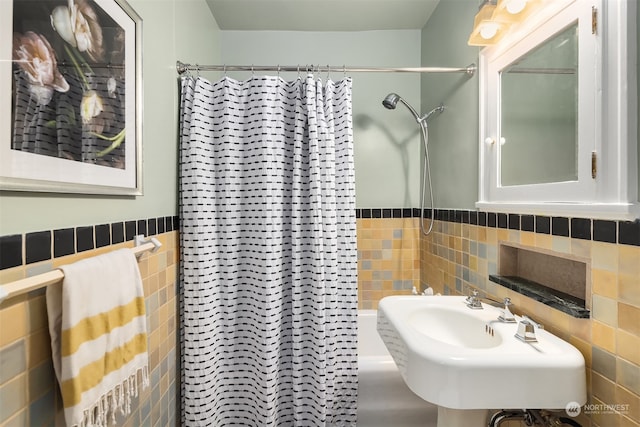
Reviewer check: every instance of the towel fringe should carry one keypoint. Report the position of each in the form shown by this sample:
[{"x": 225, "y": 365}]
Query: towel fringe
[
  {"x": 145, "y": 377},
  {"x": 117, "y": 398}
]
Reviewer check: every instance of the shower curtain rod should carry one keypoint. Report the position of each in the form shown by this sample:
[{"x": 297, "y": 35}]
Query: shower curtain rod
[{"x": 183, "y": 68}]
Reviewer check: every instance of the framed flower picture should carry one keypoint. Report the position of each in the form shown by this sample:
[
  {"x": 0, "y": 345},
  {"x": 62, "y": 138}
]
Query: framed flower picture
[{"x": 70, "y": 97}]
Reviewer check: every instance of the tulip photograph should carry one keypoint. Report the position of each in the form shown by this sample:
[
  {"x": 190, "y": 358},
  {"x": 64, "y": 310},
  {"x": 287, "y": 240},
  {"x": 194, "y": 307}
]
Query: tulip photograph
[{"x": 68, "y": 88}]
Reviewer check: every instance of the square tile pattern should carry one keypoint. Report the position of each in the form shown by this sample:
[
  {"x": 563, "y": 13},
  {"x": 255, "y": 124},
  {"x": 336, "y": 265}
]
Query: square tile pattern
[
  {"x": 388, "y": 258},
  {"x": 29, "y": 393}
]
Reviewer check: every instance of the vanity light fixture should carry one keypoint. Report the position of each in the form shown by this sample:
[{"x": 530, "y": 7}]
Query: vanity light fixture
[
  {"x": 495, "y": 17},
  {"x": 513, "y": 6},
  {"x": 514, "y": 11},
  {"x": 486, "y": 30}
]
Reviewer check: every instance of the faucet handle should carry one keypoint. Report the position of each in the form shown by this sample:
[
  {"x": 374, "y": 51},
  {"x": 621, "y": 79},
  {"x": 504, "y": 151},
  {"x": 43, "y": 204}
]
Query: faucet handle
[
  {"x": 526, "y": 331},
  {"x": 473, "y": 295},
  {"x": 533, "y": 322},
  {"x": 473, "y": 301}
]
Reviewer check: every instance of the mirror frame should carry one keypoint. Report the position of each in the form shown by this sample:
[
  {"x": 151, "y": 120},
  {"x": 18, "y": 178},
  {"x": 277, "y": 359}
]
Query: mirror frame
[{"x": 607, "y": 75}]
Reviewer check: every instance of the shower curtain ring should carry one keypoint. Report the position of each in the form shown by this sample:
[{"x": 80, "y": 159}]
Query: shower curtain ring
[
  {"x": 344, "y": 70},
  {"x": 298, "y": 70},
  {"x": 224, "y": 69},
  {"x": 252, "y": 71},
  {"x": 278, "y": 70}
]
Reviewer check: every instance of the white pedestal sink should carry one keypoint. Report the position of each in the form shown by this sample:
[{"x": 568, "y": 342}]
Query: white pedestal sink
[{"x": 467, "y": 362}]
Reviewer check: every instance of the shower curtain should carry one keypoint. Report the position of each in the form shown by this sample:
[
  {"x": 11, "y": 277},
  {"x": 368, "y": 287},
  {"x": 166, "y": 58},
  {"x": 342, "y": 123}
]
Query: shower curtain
[{"x": 268, "y": 250}]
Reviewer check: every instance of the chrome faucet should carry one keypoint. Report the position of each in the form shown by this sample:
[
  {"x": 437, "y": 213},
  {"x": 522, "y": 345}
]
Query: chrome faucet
[
  {"x": 507, "y": 316},
  {"x": 474, "y": 302}
]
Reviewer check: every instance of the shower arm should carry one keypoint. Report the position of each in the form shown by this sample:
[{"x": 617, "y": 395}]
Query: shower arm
[{"x": 438, "y": 109}]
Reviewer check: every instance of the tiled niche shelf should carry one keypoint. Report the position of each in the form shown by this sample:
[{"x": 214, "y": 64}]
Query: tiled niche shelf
[{"x": 558, "y": 280}]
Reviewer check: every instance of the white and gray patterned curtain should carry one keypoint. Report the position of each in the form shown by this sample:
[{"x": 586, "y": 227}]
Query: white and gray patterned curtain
[{"x": 269, "y": 260}]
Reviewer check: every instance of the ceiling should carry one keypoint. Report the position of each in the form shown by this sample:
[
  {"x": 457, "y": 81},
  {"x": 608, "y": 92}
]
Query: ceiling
[{"x": 321, "y": 15}]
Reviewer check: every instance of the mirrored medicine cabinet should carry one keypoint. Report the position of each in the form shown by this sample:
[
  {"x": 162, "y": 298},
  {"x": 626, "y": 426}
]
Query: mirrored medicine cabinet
[
  {"x": 557, "y": 133},
  {"x": 539, "y": 113}
]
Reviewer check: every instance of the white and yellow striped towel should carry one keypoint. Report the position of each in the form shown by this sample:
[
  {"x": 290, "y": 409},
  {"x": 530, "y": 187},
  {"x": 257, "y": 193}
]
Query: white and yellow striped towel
[{"x": 98, "y": 333}]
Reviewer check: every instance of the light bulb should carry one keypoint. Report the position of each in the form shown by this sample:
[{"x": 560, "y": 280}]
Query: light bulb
[
  {"x": 488, "y": 30},
  {"x": 516, "y": 6}
]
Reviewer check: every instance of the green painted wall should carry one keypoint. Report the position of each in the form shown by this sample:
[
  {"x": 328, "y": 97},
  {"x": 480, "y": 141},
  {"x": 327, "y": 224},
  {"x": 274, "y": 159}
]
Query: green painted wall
[
  {"x": 453, "y": 135},
  {"x": 172, "y": 29},
  {"x": 387, "y": 143}
]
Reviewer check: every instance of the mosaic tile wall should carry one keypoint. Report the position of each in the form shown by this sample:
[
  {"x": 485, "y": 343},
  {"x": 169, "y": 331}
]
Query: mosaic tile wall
[
  {"x": 29, "y": 393},
  {"x": 463, "y": 251},
  {"x": 388, "y": 254}
]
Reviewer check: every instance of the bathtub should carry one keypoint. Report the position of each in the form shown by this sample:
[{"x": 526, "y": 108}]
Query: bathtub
[{"x": 384, "y": 400}]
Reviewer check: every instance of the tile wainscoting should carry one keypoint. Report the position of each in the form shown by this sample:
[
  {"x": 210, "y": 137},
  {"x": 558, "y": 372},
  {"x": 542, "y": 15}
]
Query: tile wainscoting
[
  {"x": 388, "y": 253},
  {"x": 29, "y": 394},
  {"x": 393, "y": 257}
]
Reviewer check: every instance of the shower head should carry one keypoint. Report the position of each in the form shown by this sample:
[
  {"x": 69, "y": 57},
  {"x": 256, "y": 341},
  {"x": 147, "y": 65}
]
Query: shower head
[{"x": 391, "y": 100}]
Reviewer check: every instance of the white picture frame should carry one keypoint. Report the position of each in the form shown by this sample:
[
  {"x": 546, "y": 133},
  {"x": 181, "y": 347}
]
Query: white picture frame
[{"x": 73, "y": 124}]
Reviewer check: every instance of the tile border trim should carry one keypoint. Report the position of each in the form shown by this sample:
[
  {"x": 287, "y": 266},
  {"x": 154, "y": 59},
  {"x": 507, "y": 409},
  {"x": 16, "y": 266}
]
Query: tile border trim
[
  {"x": 597, "y": 230},
  {"x": 17, "y": 250},
  {"x": 68, "y": 241}
]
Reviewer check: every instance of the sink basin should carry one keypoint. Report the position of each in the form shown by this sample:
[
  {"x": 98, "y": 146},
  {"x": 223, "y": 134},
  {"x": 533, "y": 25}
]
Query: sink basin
[
  {"x": 454, "y": 327},
  {"x": 459, "y": 358}
]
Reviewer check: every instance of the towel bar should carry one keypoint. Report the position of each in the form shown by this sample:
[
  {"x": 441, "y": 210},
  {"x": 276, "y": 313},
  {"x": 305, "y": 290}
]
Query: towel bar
[{"x": 39, "y": 281}]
